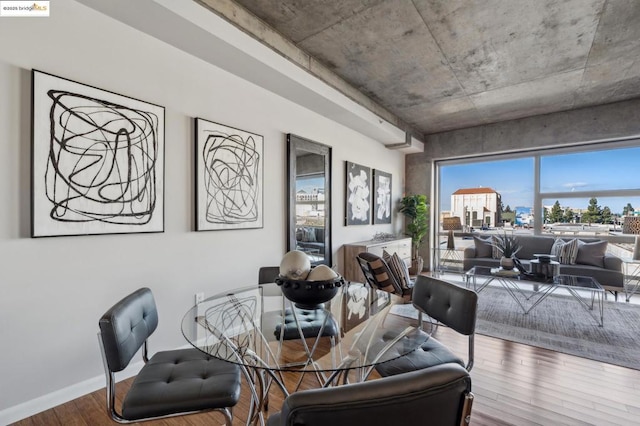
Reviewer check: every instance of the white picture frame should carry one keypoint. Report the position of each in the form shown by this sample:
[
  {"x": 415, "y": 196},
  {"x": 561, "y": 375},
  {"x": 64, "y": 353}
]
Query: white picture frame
[
  {"x": 229, "y": 177},
  {"x": 97, "y": 160}
]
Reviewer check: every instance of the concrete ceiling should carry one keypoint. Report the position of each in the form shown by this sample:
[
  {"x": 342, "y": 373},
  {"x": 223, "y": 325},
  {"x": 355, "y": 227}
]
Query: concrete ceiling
[{"x": 439, "y": 65}]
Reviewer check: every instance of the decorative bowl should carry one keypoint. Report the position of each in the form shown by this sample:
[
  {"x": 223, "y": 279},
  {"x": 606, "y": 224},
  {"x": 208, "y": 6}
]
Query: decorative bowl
[{"x": 309, "y": 294}]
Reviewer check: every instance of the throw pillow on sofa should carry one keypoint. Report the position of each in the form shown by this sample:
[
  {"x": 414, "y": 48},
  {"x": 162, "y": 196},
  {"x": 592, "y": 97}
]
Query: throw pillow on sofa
[
  {"x": 591, "y": 253},
  {"x": 308, "y": 235},
  {"x": 484, "y": 247},
  {"x": 565, "y": 251}
]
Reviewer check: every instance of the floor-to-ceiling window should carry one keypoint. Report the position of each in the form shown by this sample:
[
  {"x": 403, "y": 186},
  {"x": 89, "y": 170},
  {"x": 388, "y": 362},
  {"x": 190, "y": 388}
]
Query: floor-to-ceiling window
[{"x": 580, "y": 190}]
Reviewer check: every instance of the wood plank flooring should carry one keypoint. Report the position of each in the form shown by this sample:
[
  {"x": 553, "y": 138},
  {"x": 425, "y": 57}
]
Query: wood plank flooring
[{"x": 514, "y": 384}]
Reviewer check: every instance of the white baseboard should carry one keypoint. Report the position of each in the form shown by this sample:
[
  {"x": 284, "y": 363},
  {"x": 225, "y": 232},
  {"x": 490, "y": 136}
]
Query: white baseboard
[{"x": 45, "y": 402}]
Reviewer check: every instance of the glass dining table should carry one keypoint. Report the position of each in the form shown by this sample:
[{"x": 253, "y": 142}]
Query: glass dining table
[{"x": 257, "y": 328}]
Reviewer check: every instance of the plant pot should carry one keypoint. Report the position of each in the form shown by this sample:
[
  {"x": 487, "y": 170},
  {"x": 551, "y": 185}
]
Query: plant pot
[
  {"x": 416, "y": 266},
  {"x": 506, "y": 263}
]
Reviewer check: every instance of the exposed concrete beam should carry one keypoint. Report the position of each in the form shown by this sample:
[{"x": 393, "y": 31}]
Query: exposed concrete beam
[
  {"x": 254, "y": 26},
  {"x": 409, "y": 142},
  {"x": 188, "y": 26}
]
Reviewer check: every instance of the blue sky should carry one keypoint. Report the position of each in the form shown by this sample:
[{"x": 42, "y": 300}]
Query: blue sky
[
  {"x": 513, "y": 179},
  {"x": 308, "y": 184}
]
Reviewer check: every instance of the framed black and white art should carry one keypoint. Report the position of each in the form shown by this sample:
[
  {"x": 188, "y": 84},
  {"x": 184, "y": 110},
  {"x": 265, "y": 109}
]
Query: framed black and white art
[
  {"x": 97, "y": 161},
  {"x": 356, "y": 303},
  {"x": 381, "y": 197},
  {"x": 358, "y": 194},
  {"x": 229, "y": 172}
]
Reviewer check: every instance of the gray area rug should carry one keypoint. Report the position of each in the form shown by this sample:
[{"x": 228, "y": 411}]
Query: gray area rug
[{"x": 561, "y": 324}]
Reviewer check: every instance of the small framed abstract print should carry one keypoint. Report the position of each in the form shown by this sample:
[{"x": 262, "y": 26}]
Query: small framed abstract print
[
  {"x": 358, "y": 194},
  {"x": 229, "y": 168},
  {"x": 381, "y": 197}
]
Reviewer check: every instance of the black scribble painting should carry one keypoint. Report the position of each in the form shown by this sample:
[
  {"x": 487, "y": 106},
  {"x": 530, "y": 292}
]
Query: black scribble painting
[
  {"x": 97, "y": 161},
  {"x": 228, "y": 177}
]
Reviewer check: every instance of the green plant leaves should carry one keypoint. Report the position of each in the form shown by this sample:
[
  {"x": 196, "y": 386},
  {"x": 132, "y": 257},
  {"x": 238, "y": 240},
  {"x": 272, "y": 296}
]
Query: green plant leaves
[{"x": 416, "y": 210}]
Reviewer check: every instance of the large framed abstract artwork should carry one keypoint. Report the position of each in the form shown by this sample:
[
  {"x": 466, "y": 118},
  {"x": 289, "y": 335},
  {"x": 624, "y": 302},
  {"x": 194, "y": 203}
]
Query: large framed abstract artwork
[
  {"x": 358, "y": 195},
  {"x": 381, "y": 197},
  {"x": 229, "y": 172},
  {"x": 97, "y": 161}
]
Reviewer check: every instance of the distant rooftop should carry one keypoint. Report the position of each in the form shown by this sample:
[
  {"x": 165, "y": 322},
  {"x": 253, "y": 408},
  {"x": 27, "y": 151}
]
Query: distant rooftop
[{"x": 464, "y": 191}]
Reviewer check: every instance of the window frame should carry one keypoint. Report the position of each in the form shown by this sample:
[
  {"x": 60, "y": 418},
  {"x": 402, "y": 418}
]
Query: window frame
[{"x": 537, "y": 154}]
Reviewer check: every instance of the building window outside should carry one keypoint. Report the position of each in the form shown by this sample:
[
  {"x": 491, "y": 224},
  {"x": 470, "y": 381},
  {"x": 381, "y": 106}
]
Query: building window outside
[{"x": 584, "y": 190}]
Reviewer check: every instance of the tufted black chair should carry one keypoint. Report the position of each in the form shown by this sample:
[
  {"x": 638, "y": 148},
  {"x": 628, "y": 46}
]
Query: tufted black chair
[
  {"x": 439, "y": 395},
  {"x": 449, "y": 304},
  {"x": 310, "y": 320},
  {"x": 171, "y": 383},
  {"x": 268, "y": 274}
]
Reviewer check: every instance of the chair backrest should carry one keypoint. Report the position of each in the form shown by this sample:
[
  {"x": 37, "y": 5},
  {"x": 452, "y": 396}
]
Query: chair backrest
[
  {"x": 439, "y": 395},
  {"x": 450, "y": 304},
  {"x": 126, "y": 326},
  {"x": 268, "y": 274},
  {"x": 377, "y": 273}
]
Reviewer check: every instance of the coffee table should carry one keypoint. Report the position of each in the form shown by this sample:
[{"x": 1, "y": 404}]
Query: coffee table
[
  {"x": 631, "y": 270},
  {"x": 541, "y": 289},
  {"x": 449, "y": 260}
]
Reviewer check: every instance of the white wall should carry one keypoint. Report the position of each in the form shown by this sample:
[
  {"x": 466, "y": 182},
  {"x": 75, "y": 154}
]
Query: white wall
[{"x": 53, "y": 290}]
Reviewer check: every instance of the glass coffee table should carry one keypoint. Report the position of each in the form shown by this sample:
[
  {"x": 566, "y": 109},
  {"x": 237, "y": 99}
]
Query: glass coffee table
[
  {"x": 631, "y": 270},
  {"x": 517, "y": 285}
]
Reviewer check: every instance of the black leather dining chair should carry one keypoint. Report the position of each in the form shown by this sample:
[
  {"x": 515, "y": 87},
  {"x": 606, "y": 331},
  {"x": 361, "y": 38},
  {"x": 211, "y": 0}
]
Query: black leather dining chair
[
  {"x": 268, "y": 274},
  {"x": 293, "y": 322},
  {"x": 440, "y": 395},
  {"x": 310, "y": 321},
  {"x": 171, "y": 383},
  {"x": 448, "y": 304}
]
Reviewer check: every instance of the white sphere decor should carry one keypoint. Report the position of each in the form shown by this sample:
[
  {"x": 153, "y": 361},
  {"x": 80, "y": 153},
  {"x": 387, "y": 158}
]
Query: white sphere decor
[
  {"x": 295, "y": 265},
  {"x": 322, "y": 273}
]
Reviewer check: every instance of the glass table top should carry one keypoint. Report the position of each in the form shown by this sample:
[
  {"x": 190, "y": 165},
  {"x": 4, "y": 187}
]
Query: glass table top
[{"x": 245, "y": 326}]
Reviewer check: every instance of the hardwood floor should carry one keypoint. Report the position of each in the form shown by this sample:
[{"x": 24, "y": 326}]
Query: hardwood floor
[{"x": 514, "y": 384}]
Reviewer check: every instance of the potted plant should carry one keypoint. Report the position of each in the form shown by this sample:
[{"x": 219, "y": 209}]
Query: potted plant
[
  {"x": 508, "y": 246},
  {"x": 416, "y": 210}
]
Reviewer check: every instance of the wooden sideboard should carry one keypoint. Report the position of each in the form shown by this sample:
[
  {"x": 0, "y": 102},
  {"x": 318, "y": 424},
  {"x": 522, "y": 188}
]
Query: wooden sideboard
[{"x": 352, "y": 271}]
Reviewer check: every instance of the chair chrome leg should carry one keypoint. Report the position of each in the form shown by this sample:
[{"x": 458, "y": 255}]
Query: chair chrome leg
[{"x": 465, "y": 419}]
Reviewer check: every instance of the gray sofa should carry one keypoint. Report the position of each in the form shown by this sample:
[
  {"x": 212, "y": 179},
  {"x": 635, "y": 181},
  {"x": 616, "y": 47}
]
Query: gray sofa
[
  {"x": 609, "y": 274},
  {"x": 310, "y": 237}
]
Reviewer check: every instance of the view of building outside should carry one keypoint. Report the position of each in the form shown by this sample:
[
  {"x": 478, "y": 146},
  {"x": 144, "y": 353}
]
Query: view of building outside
[
  {"x": 310, "y": 216},
  {"x": 598, "y": 173},
  {"x": 585, "y": 192},
  {"x": 310, "y": 201},
  {"x": 480, "y": 192},
  {"x": 523, "y": 216},
  {"x": 477, "y": 207}
]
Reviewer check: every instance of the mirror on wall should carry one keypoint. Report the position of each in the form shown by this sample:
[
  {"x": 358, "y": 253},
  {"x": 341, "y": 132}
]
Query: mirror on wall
[{"x": 309, "y": 205}]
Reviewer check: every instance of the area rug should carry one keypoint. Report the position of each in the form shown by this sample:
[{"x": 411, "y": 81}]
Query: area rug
[{"x": 560, "y": 324}]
